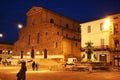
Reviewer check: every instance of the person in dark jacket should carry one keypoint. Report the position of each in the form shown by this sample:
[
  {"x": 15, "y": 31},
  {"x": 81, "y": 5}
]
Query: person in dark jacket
[
  {"x": 21, "y": 75},
  {"x": 33, "y": 65},
  {"x": 36, "y": 65}
]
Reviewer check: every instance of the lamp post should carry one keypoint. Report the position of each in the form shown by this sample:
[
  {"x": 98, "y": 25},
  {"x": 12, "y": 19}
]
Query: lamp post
[
  {"x": 37, "y": 54},
  {"x": 1, "y": 35},
  {"x": 20, "y": 26}
]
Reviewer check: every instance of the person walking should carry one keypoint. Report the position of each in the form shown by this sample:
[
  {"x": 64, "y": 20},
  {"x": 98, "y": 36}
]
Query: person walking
[
  {"x": 36, "y": 65},
  {"x": 33, "y": 65},
  {"x": 21, "y": 75}
]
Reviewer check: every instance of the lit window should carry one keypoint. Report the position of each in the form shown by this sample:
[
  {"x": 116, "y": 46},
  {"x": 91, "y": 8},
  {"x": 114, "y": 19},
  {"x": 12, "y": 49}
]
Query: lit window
[
  {"x": 106, "y": 25},
  {"x": 116, "y": 28}
]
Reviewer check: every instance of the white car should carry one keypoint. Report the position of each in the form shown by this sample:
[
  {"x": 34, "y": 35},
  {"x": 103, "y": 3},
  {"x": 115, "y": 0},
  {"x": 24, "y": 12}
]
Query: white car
[{"x": 71, "y": 60}]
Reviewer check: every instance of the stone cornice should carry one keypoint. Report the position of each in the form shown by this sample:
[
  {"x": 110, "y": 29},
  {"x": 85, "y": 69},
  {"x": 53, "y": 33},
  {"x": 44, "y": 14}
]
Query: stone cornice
[{"x": 34, "y": 10}]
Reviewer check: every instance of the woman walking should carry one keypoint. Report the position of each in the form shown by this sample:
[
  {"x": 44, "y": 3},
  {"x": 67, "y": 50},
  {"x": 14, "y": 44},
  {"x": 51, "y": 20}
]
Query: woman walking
[{"x": 21, "y": 75}]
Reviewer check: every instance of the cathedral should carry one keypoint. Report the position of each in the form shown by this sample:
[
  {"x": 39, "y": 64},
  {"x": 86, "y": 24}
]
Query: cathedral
[{"x": 48, "y": 34}]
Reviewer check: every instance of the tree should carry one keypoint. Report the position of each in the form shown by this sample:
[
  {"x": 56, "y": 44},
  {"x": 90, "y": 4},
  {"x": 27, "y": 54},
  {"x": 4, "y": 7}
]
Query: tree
[{"x": 89, "y": 50}]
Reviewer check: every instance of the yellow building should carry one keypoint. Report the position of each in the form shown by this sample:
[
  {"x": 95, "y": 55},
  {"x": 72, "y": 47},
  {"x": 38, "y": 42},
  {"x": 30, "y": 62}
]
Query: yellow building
[
  {"x": 48, "y": 35},
  {"x": 101, "y": 33}
]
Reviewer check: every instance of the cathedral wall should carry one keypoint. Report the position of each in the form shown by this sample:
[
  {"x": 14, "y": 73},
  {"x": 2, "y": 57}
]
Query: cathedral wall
[{"x": 46, "y": 30}]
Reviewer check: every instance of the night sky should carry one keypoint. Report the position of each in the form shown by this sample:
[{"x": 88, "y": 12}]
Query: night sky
[{"x": 13, "y": 12}]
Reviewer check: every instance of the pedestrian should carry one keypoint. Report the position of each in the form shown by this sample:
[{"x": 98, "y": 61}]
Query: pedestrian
[
  {"x": 33, "y": 65},
  {"x": 21, "y": 75},
  {"x": 36, "y": 65}
]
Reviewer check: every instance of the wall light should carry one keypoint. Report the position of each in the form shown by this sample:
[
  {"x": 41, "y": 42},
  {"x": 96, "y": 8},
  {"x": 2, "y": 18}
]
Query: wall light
[{"x": 106, "y": 24}]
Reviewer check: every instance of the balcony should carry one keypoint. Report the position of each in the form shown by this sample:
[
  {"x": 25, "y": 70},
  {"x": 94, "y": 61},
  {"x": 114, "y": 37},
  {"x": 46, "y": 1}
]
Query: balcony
[
  {"x": 64, "y": 28},
  {"x": 115, "y": 35},
  {"x": 99, "y": 48},
  {"x": 117, "y": 49}
]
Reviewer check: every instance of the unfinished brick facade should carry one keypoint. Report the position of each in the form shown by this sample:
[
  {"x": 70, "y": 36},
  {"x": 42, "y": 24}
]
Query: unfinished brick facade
[{"x": 48, "y": 34}]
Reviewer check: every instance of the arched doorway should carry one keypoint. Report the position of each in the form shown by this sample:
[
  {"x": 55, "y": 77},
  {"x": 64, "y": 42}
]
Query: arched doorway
[
  {"x": 45, "y": 53},
  {"x": 32, "y": 53},
  {"x": 103, "y": 57}
]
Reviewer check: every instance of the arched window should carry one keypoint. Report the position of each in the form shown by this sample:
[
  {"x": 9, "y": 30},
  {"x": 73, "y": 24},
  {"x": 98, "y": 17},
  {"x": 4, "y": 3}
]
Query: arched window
[
  {"x": 76, "y": 44},
  {"x": 67, "y": 26},
  {"x": 46, "y": 33},
  {"x": 0, "y": 51},
  {"x": 29, "y": 37},
  {"x": 66, "y": 35},
  {"x": 38, "y": 37},
  {"x": 51, "y": 20},
  {"x": 73, "y": 37},
  {"x": 78, "y": 29},
  {"x": 56, "y": 44},
  {"x": 58, "y": 33}
]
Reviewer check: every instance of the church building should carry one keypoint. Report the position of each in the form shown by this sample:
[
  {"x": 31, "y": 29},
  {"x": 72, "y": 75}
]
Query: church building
[{"x": 48, "y": 34}]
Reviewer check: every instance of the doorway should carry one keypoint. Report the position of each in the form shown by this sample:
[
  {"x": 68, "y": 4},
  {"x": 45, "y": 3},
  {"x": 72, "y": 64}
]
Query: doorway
[
  {"x": 32, "y": 53},
  {"x": 117, "y": 62},
  {"x": 45, "y": 53},
  {"x": 103, "y": 57}
]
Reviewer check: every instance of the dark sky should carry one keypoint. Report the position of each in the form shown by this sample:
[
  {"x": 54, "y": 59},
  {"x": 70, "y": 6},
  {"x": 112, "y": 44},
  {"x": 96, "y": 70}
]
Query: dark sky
[{"x": 13, "y": 12}]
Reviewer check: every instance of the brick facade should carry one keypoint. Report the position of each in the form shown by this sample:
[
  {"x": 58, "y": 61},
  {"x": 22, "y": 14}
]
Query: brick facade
[{"x": 48, "y": 33}]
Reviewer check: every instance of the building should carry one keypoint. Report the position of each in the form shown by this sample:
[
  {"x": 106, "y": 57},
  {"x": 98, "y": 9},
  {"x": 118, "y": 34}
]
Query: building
[
  {"x": 6, "y": 50},
  {"x": 115, "y": 39},
  {"x": 104, "y": 34},
  {"x": 48, "y": 35}
]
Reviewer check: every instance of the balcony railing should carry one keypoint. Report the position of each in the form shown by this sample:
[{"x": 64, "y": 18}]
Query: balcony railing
[
  {"x": 64, "y": 28},
  {"x": 105, "y": 48},
  {"x": 99, "y": 48}
]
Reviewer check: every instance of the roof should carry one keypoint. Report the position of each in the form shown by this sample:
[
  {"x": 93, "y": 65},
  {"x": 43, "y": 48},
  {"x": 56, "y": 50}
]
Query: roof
[
  {"x": 37, "y": 9},
  {"x": 6, "y": 43},
  {"x": 116, "y": 13}
]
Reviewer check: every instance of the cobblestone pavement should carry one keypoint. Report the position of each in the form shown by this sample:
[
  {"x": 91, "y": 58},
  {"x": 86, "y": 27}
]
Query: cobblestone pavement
[{"x": 9, "y": 73}]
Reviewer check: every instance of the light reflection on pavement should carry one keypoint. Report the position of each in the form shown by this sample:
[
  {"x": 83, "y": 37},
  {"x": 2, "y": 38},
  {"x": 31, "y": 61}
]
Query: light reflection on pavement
[{"x": 9, "y": 73}]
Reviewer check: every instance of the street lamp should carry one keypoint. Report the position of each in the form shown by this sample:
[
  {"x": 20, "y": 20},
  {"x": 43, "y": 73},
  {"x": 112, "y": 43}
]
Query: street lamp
[
  {"x": 106, "y": 24},
  {"x": 28, "y": 54},
  {"x": 37, "y": 54},
  {"x": 1, "y": 35},
  {"x": 20, "y": 26}
]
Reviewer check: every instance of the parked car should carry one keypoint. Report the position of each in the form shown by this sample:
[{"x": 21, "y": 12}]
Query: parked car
[{"x": 71, "y": 60}]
